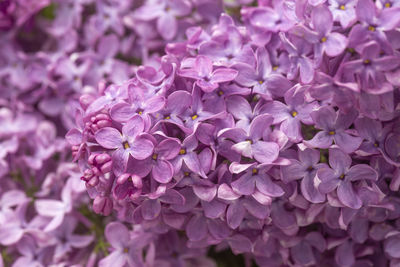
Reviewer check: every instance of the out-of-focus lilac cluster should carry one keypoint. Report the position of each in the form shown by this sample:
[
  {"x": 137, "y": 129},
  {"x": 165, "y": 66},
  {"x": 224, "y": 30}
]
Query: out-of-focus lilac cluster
[
  {"x": 277, "y": 136},
  {"x": 52, "y": 51}
]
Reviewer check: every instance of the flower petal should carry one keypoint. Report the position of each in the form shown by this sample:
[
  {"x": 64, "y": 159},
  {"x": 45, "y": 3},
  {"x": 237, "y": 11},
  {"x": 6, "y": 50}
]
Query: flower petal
[
  {"x": 347, "y": 195},
  {"x": 108, "y": 137}
]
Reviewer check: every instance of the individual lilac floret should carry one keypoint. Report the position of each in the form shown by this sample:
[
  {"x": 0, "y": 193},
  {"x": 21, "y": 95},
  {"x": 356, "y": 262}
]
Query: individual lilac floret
[
  {"x": 166, "y": 14},
  {"x": 291, "y": 115},
  {"x": 341, "y": 176},
  {"x": 159, "y": 163},
  {"x": 373, "y": 133},
  {"x": 132, "y": 142},
  {"x": 334, "y": 128},
  {"x": 305, "y": 168},
  {"x": 324, "y": 40},
  {"x": 298, "y": 50},
  {"x": 201, "y": 70},
  {"x": 254, "y": 180},
  {"x": 68, "y": 240},
  {"x": 343, "y": 11},
  {"x": 377, "y": 22},
  {"x": 138, "y": 103},
  {"x": 261, "y": 78},
  {"x": 252, "y": 143},
  {"x": 370, "y": 69},
  {"x": 127, "y": 248}
]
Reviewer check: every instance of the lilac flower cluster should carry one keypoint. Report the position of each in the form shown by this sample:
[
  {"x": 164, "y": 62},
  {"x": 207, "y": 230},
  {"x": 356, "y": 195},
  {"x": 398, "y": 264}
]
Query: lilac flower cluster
[
  {"x": 51, "y": 52},
  {"x": 278, "y": 137}
]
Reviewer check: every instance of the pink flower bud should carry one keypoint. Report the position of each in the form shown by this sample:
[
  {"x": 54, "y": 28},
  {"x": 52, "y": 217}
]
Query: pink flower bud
[
  {"x": 86, "y": 100},
  {"x": 102, "y": 205}
]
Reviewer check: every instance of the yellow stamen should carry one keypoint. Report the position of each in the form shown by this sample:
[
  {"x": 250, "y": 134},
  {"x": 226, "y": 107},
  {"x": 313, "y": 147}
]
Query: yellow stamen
[
  {"x": 341, "y": 176},
  {"x": 371, "y": 28},
  {"x": 182, "y": 151},
  {"x": 126, "y": 145},
  {"x": 367, "y": 61},
  {"x": 140, "y": 112},
  {"x": 254, "y": 171},
  {"x": 342, "y": 7},
  {"x": 294, "y": 113},
  {"x": 167, "y": 118},
  {"x": 186, "y": 173},
  {"x": 220, "y": 92},
  {"x": 260, "y": 82},
  {"x": 376, "y": 145},
  {"x": 155, "y": 156},
  {"x": 126, "y": 250},
  {"x": 195, "y": 117},
  {"x": 323, "y": 39},
  {"x": 248, "y": 140},
  {"x": 275, "y": 67},
  {"x": 387, "y": 5},
  {"x": 351, "y": 50},
  {"x": 331, "y": 132}
]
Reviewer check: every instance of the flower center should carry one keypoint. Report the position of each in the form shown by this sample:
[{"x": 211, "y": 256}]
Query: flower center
[
  {"x": 250, "y": 141},
  {"x": 310, "y": 168},
  {"x": 351, "y": 50},
  {"x": 294, "y": 113},
  {"x": 342, "y": 7},
  {"x": 126, "y": 250},
  {"x": 331, "y": 132},
  {"x": 195, "y": 116},
  {"x": 260, "y": 82},
  {"x": 341, "y": 176},
  {"x": 387, "y": 5},
  {"x": 376, "y": 145},
  {"x": 371, "y": 28},
  {"x": 186, "y": 173},
  {"x": 255, "y": 98},
  {"x": 220, "y": 92},
  {"x": 167, "y": 117},
  {"x": 367, "y": 62},
  {"x": 126, "y": 145},
  {"x": 254, "y": 171},
  {"x": 155, "y": 156},
  {"x": 275, "y": 67},
  {"x": 323, "y": 39},
  {"x": 182, "y": 151}
]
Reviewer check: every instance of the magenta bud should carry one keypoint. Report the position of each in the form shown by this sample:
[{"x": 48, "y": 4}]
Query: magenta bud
[
  {"x": 85, "y": 101},
  {"x": 74, "y": 150},
  {"x": 96, "y": 171},
  {"x": 102, "y": 158},
  {"x": 135, "y": 195},
  {"x": 101, "y": 86},
  {"x": 102, "y": 205},
  {"x": 137, "y": 181},
  {"x": 106, "y": 167},
  {"x": 91, "y": 159},
  {"x": 93, "y": 181},
  {"x": 100, "y": 117},
  {"x": 87, "y": 175},
  {"x": 103, "y": 123},
  {"x": 122, "y": 178}
]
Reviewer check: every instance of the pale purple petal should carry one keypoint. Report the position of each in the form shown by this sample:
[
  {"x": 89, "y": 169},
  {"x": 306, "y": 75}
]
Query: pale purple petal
[
  {"x": 117, "y": 235},
  {"x": 265, "y": 152},
  {"x": 348, "y": 196},
  {"x": 109, "y": 138},
  {"x": 362, "y": 172},
  {"x": 162, "y": 171},
  {"x": 142, "y": 148}
]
